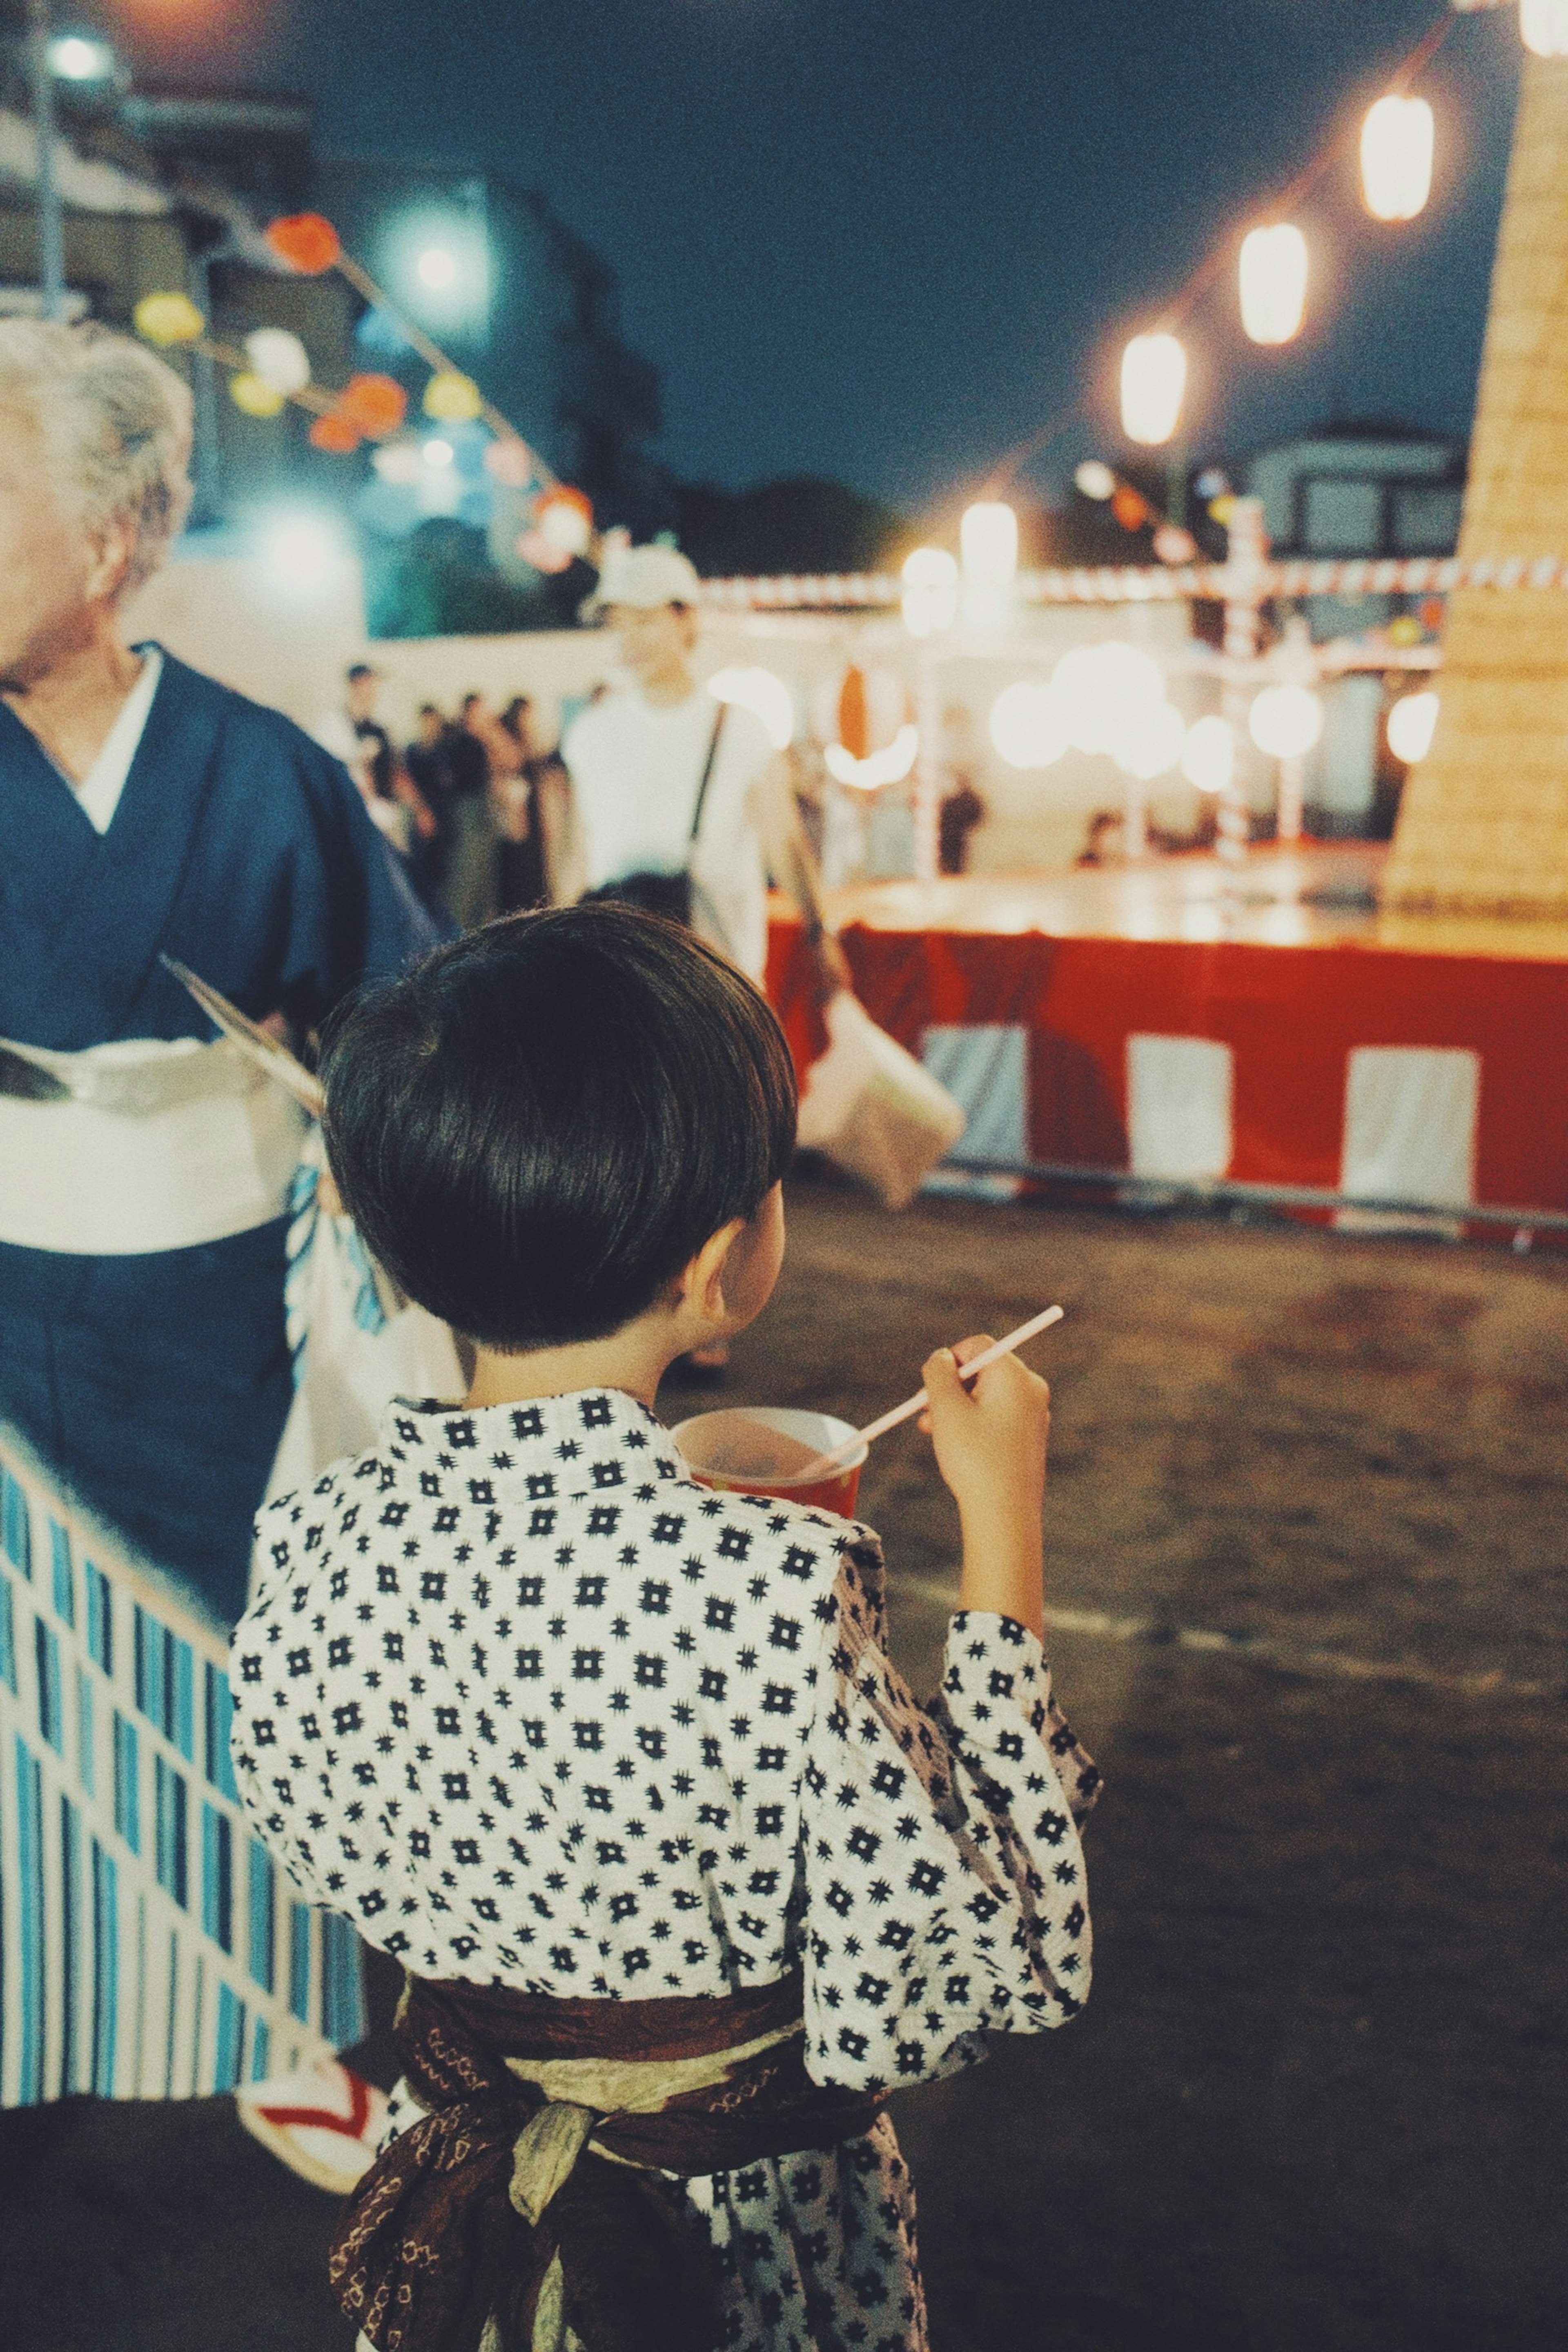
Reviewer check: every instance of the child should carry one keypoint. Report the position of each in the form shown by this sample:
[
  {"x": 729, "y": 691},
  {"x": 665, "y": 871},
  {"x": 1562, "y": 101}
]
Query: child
[{"x": 617, "y": 1765}]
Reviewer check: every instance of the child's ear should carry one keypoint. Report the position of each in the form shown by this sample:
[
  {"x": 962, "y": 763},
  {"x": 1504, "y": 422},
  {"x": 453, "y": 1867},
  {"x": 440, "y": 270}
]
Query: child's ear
[{"x": 702, "y": 1284}]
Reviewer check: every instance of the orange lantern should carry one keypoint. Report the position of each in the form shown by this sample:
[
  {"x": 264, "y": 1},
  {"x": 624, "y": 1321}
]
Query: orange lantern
[
  {"x": 338, "y": 433},
  {"x": 564, "y": 519},
  {"x": 375, "y": 404},
  {"x": 535, "y": 549},
  {"x": 306, "y": 241},
  {"x": 854, "y": 717},
  {"x": 1130, "y": 511}
]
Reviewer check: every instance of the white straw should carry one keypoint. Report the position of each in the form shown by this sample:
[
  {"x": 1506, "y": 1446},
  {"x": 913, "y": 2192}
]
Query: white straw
[{"x": 919, "y": 1401}]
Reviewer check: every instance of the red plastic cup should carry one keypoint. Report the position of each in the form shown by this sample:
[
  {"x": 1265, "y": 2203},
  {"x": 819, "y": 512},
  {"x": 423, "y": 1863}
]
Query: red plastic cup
[{"x": 761, "y": 1449}]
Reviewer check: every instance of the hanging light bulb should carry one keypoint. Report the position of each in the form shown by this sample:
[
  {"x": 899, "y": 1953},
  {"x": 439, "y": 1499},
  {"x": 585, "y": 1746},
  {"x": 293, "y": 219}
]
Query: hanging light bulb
[
  {"x": 1274, "y": 283},
  {"x": 988, "y": 542},
  {"x": 1396, "y": 146},
  {"x": 1150, "y": 742},
  {"x": 1153, "y": 386},
  {"x": 1411, "y": 725},
  {"x": 1544, "y": 24},
  {"x": 1106, "y": 692},
  {"x": 1208, "y": 757},
  {"x": 1286, "y": 721},
  {"x": 1030, "y": 725},
  {"x": 931, "y": 592}
]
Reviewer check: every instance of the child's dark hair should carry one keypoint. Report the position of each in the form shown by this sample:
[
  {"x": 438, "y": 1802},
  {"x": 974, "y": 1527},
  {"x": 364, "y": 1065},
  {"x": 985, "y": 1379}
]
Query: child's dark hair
[{"x": 539, "y": 1126}]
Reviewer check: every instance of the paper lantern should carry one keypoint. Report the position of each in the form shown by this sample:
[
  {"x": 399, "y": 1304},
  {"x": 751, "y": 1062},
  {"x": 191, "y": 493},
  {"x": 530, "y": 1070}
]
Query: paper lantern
[
  {"x": 278, "y": 357},
  {"x": 306, "y": 242},
  {"x": 452, "y": 399},
  {"x": 338, "y": 433},
  {"x": 1274, "y": 283},
  {"x": 399, "y": 462},
  {"x": 931, "y": 592},
  {"x": 1544, "y": 24},
  {"x": 535, "y": 549},
  {"x": 254, "y": 396},
  {"x": 564, "y": 519},
  {"x": 889, "y": 766},
  {"x": 1149, "y": 742},
  {"x": 1094, "y": 480},
  {"x": 1153, "y": 386},
  {"x": 1411, "y": 723},
  {"x": 854, "y": 713},
  {"x": 1029, "y": 725},
  {"x": 1208, "y": 755},
  {"x": 167, "y": 318},
  {"x": 1175, "y": 545},
  {"x": 1286, "y": 721},
  {"x": 510, "y": 463},
  {"x": 988, "y": 543},
  {"x": 1104, "y": 689},
  {"x": 376, "y": 405},
  {"x": 1397, "y": 140},
  {"x": 1130, "y": 510},
  {"x": 861, "y": 718}
]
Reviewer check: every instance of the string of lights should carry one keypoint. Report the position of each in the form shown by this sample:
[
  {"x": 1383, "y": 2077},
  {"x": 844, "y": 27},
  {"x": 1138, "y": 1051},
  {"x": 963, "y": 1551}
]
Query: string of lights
[{"x": 1397, "y": 139}]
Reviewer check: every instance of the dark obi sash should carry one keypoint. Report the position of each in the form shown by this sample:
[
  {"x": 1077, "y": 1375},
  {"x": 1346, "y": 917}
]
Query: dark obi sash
[{"x": 480, "y": 2223}]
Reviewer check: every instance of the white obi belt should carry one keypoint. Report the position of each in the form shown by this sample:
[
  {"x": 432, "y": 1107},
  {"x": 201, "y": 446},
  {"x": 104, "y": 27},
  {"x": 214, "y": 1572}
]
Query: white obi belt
[{"x": 145, "y": 1144}]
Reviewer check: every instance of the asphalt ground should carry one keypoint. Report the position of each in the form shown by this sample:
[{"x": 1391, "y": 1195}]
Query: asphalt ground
[{"x": 1307, "y": 1540}]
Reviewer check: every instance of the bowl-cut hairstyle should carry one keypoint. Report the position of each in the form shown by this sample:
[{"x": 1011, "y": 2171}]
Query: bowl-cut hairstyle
[{"x": 541, "y": 1125}]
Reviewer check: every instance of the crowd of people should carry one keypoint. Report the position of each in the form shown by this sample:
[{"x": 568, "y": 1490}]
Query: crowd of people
[{"x": 459, "y": 803}]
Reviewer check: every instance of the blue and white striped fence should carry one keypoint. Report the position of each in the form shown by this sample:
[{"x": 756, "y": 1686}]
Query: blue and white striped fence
[{"x": 148, "y": 1947}]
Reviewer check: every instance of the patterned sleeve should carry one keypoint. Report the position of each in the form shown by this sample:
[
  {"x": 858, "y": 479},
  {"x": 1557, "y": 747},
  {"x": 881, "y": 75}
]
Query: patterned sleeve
[
  {"x": 944, "y": 1878},
  {"x": 268, "y": 1655}
]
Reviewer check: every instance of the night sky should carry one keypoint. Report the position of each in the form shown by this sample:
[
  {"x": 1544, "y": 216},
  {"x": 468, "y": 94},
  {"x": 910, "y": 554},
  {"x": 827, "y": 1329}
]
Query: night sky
[{"x": 888, "y": 240}]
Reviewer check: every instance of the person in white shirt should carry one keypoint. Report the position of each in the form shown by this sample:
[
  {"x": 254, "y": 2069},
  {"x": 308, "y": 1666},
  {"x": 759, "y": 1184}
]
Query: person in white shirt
[{"x": 672, "y": 799}]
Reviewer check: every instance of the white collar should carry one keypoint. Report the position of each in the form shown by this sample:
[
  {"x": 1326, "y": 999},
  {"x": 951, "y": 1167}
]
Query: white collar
[{"x": 100, "y": 790}]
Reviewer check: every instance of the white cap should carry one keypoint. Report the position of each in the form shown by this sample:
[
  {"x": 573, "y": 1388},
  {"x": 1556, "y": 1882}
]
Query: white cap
[{"x": 646, "y": 577}]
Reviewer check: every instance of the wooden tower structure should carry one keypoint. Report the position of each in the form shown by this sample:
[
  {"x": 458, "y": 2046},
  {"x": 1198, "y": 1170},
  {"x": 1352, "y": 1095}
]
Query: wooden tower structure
[{"x": 1484, "y": 824}]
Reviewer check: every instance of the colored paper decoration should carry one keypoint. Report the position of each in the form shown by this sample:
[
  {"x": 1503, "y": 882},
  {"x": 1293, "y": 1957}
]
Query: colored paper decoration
[
  {"x": 510, "y": 463},
  {"x": 306, "y": 241},
  {"x": 168, "y": 319},
  {"x": 401, "y": 462},
  {"x": 279, "y": 359},
  {"x": 338, "y": 433},
  {"x": 535, "y": 549},
  {"x": 564, "y": 519},
  {"x": 255, "y": 395},
  {"x": 376, "y": 405},
  {"x": 452, "y": 399}
]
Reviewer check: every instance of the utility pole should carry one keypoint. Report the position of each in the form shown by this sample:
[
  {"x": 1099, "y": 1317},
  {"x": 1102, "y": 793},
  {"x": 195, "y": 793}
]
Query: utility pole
[{"x": 51, "y": 232}]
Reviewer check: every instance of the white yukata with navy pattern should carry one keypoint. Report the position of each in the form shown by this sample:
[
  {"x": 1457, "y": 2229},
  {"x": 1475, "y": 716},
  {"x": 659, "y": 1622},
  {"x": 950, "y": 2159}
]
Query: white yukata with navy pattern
[{"x": 532, "y": 1708}]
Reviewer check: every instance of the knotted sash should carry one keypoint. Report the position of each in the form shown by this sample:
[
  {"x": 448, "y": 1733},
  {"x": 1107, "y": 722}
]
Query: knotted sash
[{"x": 479, "y": 2222}]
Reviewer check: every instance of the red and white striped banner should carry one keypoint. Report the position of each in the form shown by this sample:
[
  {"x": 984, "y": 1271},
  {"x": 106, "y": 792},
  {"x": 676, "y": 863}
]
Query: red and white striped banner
[{"x": 1423, "y": 575}]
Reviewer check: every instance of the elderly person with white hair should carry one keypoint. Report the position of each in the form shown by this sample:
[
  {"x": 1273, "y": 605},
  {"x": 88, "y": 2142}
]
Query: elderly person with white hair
[{"x": 145, "y": 1172}]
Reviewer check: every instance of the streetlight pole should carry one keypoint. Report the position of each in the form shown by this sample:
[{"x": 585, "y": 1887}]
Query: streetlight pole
[{"x": 51, "y": 231}]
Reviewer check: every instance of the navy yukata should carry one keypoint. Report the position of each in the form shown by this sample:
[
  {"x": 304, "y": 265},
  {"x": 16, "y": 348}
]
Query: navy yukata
[{"x": 158, "y": 1384}]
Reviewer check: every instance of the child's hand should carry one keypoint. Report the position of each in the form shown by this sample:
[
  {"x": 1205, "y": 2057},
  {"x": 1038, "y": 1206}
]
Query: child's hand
[{"x": 990, "y": 1437}]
